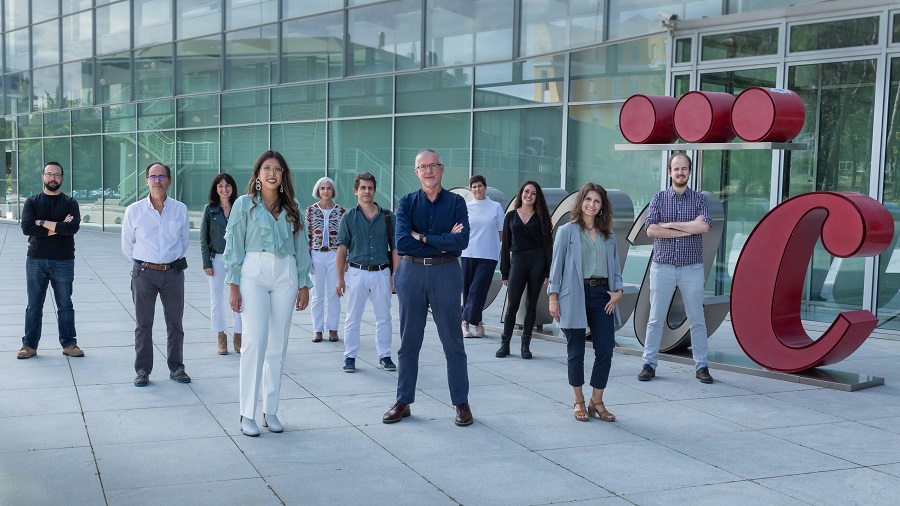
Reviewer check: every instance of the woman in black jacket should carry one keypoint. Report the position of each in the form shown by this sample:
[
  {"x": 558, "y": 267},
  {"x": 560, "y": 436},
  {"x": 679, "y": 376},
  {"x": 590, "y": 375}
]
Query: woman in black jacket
[{"x": 222, "y": 195}]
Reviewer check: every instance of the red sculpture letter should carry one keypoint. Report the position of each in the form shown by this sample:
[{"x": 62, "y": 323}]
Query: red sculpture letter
[{"x": 767, "y": 287}]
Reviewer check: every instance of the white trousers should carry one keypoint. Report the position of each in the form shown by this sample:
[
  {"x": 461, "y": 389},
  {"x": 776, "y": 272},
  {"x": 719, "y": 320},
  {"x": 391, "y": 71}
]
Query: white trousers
[
  {"x": 362, "y": 285},
  {"x": 218, "y": 298},
  {"x": 268, "y": 293},
  {"x": 324, "y": 279}
]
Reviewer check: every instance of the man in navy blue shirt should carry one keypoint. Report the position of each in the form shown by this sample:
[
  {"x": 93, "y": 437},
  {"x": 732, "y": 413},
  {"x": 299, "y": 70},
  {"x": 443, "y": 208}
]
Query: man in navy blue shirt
[{"x": 432, "y": 230}]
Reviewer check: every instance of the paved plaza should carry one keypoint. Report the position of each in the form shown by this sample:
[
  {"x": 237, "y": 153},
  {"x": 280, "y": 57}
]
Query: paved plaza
[{"x": 75, "y": 431}]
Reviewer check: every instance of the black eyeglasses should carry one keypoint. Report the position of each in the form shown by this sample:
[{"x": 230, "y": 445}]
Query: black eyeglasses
[{"x": 432, "y": 166}]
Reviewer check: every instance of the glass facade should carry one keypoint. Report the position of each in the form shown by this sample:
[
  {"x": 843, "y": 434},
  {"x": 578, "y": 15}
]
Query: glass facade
[{"x": 511, "y": 89}]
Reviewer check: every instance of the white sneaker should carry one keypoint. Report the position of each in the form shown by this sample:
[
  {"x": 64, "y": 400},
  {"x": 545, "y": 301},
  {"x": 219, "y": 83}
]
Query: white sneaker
[
  {"x": 479, "y": 330},
  {"x": 467, "y": 332}
]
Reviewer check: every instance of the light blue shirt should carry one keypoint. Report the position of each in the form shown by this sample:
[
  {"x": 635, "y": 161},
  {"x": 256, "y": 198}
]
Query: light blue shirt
[
  {"x": 593, "y": 256},
  {"x": 254, "y": 229}
]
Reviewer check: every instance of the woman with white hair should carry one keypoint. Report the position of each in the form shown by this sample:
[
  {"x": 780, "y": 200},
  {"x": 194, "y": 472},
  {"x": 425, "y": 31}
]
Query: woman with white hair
[{"x": 323, "y": 219}]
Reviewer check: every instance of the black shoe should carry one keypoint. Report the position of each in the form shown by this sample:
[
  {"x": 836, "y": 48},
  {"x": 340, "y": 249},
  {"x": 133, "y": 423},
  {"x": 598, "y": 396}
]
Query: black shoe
[
  {"x": 388, "y": 364},
  {"x": 349, "y": 364},
  {"x": 180, "y": 376},
  {"x": 647, "y": 373},
  {"x": 703, "y": 375},
  {"x": 142, "y": 379},
  {"x": 526, "y": 347},
  {"x": 504, "y": 346}
]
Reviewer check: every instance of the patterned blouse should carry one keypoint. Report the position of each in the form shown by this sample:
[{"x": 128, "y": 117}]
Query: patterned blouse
[{"x": 315, "y": 220}]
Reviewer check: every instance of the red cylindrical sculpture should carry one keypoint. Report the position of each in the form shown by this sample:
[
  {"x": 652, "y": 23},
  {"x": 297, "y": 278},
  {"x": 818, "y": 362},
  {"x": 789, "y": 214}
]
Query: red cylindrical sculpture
[
  {"x": 767, "y": 115},
  {"x": 647, "y": 119},
  {"x": 704, "y": 116}
]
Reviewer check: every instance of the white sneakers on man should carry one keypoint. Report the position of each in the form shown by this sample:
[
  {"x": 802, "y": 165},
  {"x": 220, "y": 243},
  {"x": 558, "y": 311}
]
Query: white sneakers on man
[{"x": 467, "y": 332}]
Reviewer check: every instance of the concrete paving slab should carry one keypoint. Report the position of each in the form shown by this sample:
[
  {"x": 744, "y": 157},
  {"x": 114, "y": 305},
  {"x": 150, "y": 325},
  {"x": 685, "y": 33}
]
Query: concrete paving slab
[
  {"x": 743, "y": 492},
  {"x": 531, "y": 430},
  {"x": 855, "y": 442},
  {"x": 42, "y": 432},
  {"x": 161, "y": 392},
  {"x": 243, "y": 491},
  {"x": 50, "y": 477},
  {"x": 838, "y": 488},
  {"x": 147, "y": 425},
  {"x": 40, "y": 401},
  {"x": 760, "y": 412}
]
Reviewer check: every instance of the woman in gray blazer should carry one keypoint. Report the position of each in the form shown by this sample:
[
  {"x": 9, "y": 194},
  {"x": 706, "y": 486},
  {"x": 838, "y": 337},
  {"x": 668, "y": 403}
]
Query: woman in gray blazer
[{"x": 585, "y": 285}]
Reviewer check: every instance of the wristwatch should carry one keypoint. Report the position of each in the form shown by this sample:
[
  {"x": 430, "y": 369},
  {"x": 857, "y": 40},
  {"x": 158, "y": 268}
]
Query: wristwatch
[{"x": 41, "y": 223}]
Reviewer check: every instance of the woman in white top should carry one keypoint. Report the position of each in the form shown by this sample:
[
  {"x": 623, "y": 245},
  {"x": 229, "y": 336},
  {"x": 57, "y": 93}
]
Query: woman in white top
[
  {"x": 322, "y": 221},
  {"x": 479, "y": 260}
]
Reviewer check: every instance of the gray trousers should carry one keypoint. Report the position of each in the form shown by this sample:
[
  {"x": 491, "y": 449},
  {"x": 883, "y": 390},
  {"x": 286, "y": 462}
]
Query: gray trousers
[{"x": 146, "y": 284}]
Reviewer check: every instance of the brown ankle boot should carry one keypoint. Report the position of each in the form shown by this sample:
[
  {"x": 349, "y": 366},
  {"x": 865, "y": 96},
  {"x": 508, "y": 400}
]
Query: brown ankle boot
[
  {"x": 223, "y": 344},
  {"x": 237, "y": 342}
]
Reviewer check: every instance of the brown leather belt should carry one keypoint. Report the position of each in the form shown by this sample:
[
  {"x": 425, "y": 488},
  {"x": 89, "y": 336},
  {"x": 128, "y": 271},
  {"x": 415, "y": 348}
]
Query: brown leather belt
[
  {"x": 324, "y": 248},
  {"x": 596, "y": 281},
  {"x": 443, "y": 259},
  {"x": 155, "y": 267},
  {"x": 370, "y": 268}
]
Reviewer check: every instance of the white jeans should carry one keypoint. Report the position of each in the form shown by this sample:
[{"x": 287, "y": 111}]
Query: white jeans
[
  {"x": 663, "y": 281},
  {"x": 268, "y": 294},
  {"x": 362, "y": 285},
  {"x": 325, "y": 279},
  {"x": 218, "y": 298}
]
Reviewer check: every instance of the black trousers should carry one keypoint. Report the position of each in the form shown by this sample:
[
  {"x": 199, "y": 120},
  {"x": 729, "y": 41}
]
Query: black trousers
[{"x": 526, "y": 274}]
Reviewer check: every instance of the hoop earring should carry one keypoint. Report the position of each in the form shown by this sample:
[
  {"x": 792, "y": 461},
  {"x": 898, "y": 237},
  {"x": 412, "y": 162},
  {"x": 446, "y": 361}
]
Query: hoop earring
[
  {"x": 258, "y": 184},
  {"x": 281, "y": 188},
  {"x": 600, "y": 213}
]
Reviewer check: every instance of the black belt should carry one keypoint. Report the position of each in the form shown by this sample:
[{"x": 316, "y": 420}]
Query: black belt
[
  {"x": 596, "y": 281},
  {"x": 370, "y": 268},
  {"x": 443, "y": 259},
  {"x": 155, "y": 267}
]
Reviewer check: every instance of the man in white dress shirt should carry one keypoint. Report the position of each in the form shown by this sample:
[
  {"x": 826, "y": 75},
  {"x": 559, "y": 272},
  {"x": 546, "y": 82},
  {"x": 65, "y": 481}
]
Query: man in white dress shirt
[{"x": 155, "y": 236}]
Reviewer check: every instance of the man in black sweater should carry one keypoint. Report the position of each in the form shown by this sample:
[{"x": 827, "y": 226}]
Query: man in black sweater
[{"x": 50, "y": 219}]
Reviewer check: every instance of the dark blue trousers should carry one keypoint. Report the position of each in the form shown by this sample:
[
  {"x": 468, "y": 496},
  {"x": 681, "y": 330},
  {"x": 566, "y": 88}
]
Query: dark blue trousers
[
  {"x": 438, "y": 286},
  {"x": 60, "y": 274},
  {"x": 602, "y": 335},
  {"x": 477, "y": 276}
]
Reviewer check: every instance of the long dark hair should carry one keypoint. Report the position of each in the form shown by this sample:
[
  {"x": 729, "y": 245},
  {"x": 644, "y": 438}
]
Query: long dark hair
[
  {"x": 286, "y": 200},
  {"x": 540, "y": 206},
  {"x": 603, "y": 219},
  {"x": 214, "y": 199}
]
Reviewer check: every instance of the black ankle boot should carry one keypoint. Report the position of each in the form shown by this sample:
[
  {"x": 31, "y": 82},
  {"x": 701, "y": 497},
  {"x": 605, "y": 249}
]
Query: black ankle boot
[
  {"x": 526, "y": 344},
  {"x": 504, "y": 346}
]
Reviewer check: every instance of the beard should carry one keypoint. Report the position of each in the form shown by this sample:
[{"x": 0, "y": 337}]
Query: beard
[{"x": 52, "y": 185}]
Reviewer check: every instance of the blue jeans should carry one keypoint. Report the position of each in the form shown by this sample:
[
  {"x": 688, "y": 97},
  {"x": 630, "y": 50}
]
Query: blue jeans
[
  {"x": 477, "y": 276},
  {"x": 602, "y": 335},
  {"x": 40, "y": 272},
  {"x": 689, "y": 280}
]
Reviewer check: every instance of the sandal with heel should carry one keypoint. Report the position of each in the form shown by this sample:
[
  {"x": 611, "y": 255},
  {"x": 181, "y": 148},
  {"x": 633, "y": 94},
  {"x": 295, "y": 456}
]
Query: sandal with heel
[
  {"x": 599, "y": 409},
  {"x": 580, "y": 414}
]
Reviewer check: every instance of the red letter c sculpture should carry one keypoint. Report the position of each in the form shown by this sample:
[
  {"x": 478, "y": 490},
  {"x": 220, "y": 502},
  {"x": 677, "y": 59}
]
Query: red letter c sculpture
[{"x": 767, "y": 286}]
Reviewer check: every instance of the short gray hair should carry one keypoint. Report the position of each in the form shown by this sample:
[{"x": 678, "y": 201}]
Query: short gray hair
[{"x": 320, "y": 182}]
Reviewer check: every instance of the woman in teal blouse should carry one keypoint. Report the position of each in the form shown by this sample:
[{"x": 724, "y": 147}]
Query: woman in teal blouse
[{"x": 267, "y": 261}]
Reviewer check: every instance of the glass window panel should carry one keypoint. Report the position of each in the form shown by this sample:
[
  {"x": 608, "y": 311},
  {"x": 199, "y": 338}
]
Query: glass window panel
[
  {"x": 534, "y": 81},
  {"x": 197, "y": 160},
  {"x": 7, "y": 129},
  {"x": 122, "y": 184},
  {"x": 87, "y": 180},
  {"x": 840, "y": 101},
  {"x": 87, "y": 121},
  {"x": 360, "y": 97},
  {"x": 303, "y": 146},
  {"x": 200, "y": 111},
  {"x": 30, "y": 167},
  {"x": 385, "y": 37},
  {"x": 245, "y": 107},
  {"x": 18, "y": 92},
  {"x": 114, "y": 73},
  {"x": 77, "y": 36},
  {"x": 160, "y": 146},
  {"x": 739, "y": 45},
  {"x": 295, "y": 103},
  {"x": 889, "y": 261},
  {"x": 156, "y": 115},
  {"x": 58, "y": 149},
  {"x": 78, "y": 83},
  {"x": 447, "y": 133},
  {"x": 681, "y": 84},
  {"x": 46, "y": 88},
  {"x": 241, "y": 13},
  {"x": 549, "y": 26},
  {"x": 466, "y": 31},
  {"x": 440, "y": 90},
  {"x": 293, "y": 9},
  {"x": 198, "y": 17},
  {"x": 44, "y": 9},
  {"x": 241, "y": 146},
  {"x": 70, "y": 6},
  {"x": 16, "y": 14},
  {"x": 312, "y": 48},
  {"x": 113, "y": 28},
  {"x": 628, "y": 18},
  {"x": 618, "y": 71},
  {"x": 198, "y": 65},
  {"x": 351, "y": 3},
  {"x": 18, "y": 53},
  {"x": 57, "y": 123},
  {"x": 251, "y": 57},
  {"x": 356, "y": 146},
  {"x": 736, "y": 6},
  {"x": 683, "y": 48},
  {"x": 45, "y": 43},
  {"x": 153, "y": 74},
  {"x": 514, "y": 146},
  {"x": 152, "y": 22},
  {"x": 895, "y": 38},
  {"x": 119, "y": 118},
  {"x": 835, "y": 34},
  {"x": 30, "y": 125}
]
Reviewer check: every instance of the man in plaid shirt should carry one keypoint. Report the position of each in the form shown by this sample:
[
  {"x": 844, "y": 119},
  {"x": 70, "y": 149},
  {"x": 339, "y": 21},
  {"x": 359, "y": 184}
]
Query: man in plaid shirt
[{"x": 675, "y": 220}]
